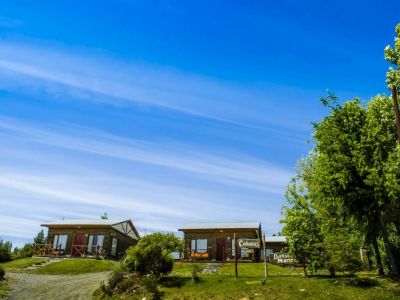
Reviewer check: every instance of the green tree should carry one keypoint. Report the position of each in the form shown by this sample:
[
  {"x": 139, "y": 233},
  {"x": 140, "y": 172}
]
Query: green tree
[
  {"x": 104, "y": 216},
  {"x": 353, "y": 146},
  {"x": 392, "y": 55},
  {"x": 40, "y": 238},
  {"x": 5, "y": 251},
  {"x": 302, "y": 227},
  {"x": 152, "y": 255}
]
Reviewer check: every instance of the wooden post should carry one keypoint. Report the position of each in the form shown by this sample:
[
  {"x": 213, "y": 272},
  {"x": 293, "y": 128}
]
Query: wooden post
[
  {"x": 236, "y": 260},
  {"x": 265, "y": 260}
]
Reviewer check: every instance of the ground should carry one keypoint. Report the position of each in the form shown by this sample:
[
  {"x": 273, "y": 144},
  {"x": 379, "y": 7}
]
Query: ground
[
  {"x": 58, "y": 279},
  {"x": 35, "y": 286},
  {"x": 282, "y": 283}
]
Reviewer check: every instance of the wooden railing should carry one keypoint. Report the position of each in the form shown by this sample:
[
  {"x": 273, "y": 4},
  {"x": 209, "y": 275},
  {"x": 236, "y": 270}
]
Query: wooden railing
[
  {"x": 47, "y": 250},
  {"x": 76, "y": 251},
  {"x": 86, "y": 250}
]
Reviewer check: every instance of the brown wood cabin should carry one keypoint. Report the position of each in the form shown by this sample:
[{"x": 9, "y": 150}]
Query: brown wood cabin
[
  {"x": 106, "y": 238},
  {"x": 215, "y": 241},
  {"x": 275, "y": 244}
]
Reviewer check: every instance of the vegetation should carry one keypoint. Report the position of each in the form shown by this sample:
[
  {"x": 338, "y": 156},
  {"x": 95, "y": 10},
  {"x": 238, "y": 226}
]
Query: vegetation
[
  {"x": 3, "y": 288},
  {"x": 22, "y": 263},
  {"x": 152, "y": 255},
  {"x": 27, "y": 249},
  {"x": 346, "y": 191},
  {"x": 5, "y": 251},
  {"x": 2, "y": 273},
  {"x": 76, "y": 266},
  {"x": 282, "y": 283},
  {"x": 140, "y": 271}
]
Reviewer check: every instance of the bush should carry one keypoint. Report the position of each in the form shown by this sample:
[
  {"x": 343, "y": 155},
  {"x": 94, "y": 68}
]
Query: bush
[
  {"x": 195, "y": 273},
  {"x": 2, "y": 273},
  {"x": 152, "y": 255},
  {"x": 25, "y": 251},
  {"x": 5, "y": 251}
]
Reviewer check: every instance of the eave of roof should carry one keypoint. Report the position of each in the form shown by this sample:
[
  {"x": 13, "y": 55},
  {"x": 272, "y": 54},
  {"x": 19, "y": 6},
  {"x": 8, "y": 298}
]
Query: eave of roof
[
  {"x": 216, "y": 226},
  {"x": 86, "y": 222}
]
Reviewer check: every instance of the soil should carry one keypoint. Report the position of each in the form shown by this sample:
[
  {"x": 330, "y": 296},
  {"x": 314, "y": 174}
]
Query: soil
[{"x": 35, "y": 286}]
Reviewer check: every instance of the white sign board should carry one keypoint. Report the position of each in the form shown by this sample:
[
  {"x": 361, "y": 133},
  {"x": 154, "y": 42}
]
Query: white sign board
[{"x": 249, "y": 243}]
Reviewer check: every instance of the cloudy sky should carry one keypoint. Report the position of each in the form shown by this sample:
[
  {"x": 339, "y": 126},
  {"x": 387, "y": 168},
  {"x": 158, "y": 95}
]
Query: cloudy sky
[{"x": 171, "y": 112}]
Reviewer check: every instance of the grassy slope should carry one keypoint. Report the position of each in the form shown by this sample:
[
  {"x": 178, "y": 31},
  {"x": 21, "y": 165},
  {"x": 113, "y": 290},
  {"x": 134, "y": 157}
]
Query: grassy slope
[
  {"x": 282, "y": 284},
  {"x": 76, "y": 266},
  {"x": 18, "y": 264},
  {"x": 3, "y": 288}
]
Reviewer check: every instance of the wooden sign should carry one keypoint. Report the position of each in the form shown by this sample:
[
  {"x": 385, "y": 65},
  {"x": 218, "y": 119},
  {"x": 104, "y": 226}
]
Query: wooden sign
[
  {"x": 282, "y": 258},
  {"x": 249, "y": 243}
]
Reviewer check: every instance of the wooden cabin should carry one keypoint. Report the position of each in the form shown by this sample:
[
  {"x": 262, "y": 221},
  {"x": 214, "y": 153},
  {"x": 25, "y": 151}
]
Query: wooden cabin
[
  {"x": 275, "y": 244},
  {"x": 107, "y": 238},
  {"x": 215, "y": 241}
]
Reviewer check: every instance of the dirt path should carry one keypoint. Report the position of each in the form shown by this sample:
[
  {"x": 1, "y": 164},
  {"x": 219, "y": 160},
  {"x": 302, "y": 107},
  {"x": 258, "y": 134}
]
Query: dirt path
[{"x": 34, "y": 286}]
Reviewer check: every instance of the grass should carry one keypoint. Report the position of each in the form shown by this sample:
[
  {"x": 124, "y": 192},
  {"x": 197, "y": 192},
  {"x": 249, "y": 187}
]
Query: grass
[
  {"x": 3, "y": 289},
  {"x": 282, "y": 283},
  {"x": 18, "y": 264},
  {"x": 76, "y": 266}
]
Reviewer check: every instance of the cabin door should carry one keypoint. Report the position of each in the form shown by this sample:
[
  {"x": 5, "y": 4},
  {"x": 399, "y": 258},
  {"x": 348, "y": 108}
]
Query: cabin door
[
  {"x": 79, "y": 239},
  {"x": 77, "y": 249},
  {"x": 221, "y": 249}
]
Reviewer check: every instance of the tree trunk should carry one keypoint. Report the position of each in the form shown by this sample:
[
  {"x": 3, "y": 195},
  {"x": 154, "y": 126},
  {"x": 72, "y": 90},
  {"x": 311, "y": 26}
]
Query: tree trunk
[
  {"x": 332, "y": 271},
  {"x": 389, "y": 249},
  {"x": 396, "y": 111},
  {"x": 377, "y": 256},
  {"x": 304, "y": 267}
]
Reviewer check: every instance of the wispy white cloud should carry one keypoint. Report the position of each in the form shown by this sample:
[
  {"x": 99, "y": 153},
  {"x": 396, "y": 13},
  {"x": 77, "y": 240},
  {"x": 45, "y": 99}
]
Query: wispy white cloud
[
  {"x": 97, "y": 77},
  {"x": 241, "y": 170},
  {"x": 166, "y": 186}
]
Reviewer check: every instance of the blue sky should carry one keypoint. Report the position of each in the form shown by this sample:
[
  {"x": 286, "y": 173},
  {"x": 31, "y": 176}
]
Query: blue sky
[{"x": 171, "y": 112}]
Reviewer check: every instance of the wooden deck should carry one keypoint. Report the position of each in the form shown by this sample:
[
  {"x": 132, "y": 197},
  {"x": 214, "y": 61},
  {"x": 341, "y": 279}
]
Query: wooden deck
[{"x": 76, "y": 251}]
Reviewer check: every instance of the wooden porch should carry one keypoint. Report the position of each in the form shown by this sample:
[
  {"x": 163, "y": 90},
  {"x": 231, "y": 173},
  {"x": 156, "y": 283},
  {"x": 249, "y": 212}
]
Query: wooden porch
[{"x": 87, "y": 251}]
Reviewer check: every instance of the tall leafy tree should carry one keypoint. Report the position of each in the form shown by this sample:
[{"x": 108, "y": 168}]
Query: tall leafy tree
[
  {"x": 353, "y": 145},
  {"x": 392, "y": 55},
  {"x": 302, "y": 227}
]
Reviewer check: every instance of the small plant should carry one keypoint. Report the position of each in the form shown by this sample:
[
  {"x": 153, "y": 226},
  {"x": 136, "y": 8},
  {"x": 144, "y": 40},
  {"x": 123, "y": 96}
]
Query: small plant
[
  {"x": 151, "y": 286},
  {"x": 2, "y": 273},
  {"x": 195, "y": 273}
]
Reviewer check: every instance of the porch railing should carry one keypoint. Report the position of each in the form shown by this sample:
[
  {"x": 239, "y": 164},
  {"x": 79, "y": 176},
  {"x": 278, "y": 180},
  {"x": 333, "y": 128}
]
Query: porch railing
[
  {"x": 47, "y": 250},
  {"x": 88, "y": 250},
  {"x": 76, "y": 251}
]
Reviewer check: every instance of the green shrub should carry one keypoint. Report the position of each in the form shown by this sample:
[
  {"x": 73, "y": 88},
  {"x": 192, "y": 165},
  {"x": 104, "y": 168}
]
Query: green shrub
[
  {"x": 115, "y": 277},
  {"x": 195, "y": 273},
  {"x": 25, "y": 251},
  {"x": 152, "y": 255},
  {"x": 5, "y": 251},
  {"x": 2, "y": 273}
]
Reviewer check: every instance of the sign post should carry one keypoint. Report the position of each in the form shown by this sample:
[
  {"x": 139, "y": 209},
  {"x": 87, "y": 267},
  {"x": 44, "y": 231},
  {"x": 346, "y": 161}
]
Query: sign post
[
  {"x": 236, "y": 260},
  {"x": 265, "y": 260}
]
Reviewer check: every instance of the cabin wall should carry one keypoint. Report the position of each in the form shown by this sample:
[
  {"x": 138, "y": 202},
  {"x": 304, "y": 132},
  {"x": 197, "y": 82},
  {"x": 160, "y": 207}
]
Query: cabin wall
[
  {"x": 123, "y": 243},
  {"x": 212, "y": 237}
]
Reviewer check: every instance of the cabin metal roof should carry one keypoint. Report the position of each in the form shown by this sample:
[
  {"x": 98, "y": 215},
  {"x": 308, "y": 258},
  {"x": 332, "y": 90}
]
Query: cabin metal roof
[
  {"x": 236, "y": 225},
  {"x": 87, "y": 222},
  {"x": 275, "y": 239},
  {"x": 124, "y": 226}
]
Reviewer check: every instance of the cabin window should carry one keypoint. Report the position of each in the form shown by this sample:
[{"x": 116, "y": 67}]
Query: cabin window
[
  {"x": 60, "y": 241},
  {"x": 114, "y": 246},
  {"x": 94, "y": 241},
  {"x": 269, "y": 251},
  {"x": 199, "y": 245}
]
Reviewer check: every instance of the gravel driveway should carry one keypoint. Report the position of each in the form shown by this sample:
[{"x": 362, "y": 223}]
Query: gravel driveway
[{"x": 34, "y": 286}]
